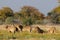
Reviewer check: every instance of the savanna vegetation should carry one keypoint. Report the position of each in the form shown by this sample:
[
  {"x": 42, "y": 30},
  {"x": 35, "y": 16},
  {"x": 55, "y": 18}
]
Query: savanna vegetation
[
  {"x": 28, "y": 16},
  {"x": 4, "y": 35}
]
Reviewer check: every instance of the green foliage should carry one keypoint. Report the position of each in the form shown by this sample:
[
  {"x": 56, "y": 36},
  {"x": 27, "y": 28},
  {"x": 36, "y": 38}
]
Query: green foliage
[
  {"x": 7, "y": 11},
  {"x": 29, "y": 15},
  {"x": 2, "y": 15},
  {"x": 1, "y": 21},
  {"x": 55, "y": 15},
  {"x": 28, "y": 21},
  {"x": 28, "y": 11},
  {"x": 9, "y": 20}
]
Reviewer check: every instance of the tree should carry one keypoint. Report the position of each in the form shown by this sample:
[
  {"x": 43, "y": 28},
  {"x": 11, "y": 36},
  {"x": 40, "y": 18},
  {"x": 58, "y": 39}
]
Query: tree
[
  {"x": 9, "y": 20},
  {"x": 4, "y": 13},
  {"x": 55, "y": 15},
  {"x": 31, "y": 14},
  {"x": 7, "y": 11},
  {"x": 28, "y": 11}
]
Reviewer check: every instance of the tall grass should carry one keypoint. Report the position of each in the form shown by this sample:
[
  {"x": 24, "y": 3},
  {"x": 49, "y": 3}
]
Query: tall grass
[{"x": 28, "y": 36}]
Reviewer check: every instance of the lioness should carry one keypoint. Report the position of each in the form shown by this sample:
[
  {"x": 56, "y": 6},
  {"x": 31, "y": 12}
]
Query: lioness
[
  {"x": 27, "y": 28},
  {"x": 52, "y": 30},
  {"x": 37, "y": 29},
  {"x": 11, "y": 28}
]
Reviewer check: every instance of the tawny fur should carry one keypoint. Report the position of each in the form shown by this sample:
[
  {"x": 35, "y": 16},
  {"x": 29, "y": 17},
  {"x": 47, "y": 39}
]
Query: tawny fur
[
  {"x": 19, "y": 27},
  {"x": 10, "y": 28},
  {"x": 27, "y": 28},
  {"x": 52, "y": 30},
  {"x": 37, "y": 30}
]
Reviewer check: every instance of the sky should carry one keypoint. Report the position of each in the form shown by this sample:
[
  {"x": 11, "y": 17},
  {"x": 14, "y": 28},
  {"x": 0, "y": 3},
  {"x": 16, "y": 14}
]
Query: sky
[{"x": 43, "y": 6}]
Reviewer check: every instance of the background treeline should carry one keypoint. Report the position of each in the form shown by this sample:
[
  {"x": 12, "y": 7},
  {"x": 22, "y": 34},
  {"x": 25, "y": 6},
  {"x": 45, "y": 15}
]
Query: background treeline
[{"x": 29, "y": 15}]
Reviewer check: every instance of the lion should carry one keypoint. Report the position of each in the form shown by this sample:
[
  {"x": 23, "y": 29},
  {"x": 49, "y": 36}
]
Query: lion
[
  {"x": 11, "y": 28},
  {"x": 52, "y": 30},
  {"x": 19, "y": 27},
  {"x": 27, "y": 28},
  {"x": 37, "y": 30}
]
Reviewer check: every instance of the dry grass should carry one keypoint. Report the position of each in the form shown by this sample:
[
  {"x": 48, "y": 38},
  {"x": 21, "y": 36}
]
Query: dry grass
[{"x": 5, "y": 35}]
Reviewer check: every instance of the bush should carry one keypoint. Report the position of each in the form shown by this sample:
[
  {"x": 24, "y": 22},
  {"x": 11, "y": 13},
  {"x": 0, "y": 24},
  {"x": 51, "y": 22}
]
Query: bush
[{"x": 9, "y": 20}]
